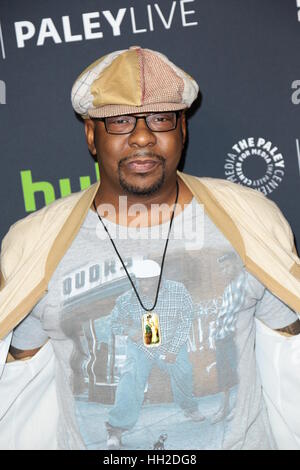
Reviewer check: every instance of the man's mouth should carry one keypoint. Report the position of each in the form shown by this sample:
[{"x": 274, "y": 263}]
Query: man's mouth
[{"x": 142, "y": 166}]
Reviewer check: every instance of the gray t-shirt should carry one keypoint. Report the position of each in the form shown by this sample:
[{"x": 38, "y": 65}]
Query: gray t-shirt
[{"x": 114, "y": 372}]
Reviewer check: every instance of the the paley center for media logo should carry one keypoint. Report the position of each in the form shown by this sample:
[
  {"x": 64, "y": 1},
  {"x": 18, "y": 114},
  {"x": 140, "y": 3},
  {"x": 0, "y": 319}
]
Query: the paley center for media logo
[{"x": 256, "y": 163}]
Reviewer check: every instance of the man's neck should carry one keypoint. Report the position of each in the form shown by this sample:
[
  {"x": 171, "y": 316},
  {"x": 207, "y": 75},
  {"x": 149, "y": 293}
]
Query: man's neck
[{"x": 126, "y": 208}]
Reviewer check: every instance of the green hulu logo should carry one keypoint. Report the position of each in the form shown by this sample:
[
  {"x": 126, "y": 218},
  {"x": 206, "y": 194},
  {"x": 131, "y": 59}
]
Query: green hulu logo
[{"x": 30, "y": 188}]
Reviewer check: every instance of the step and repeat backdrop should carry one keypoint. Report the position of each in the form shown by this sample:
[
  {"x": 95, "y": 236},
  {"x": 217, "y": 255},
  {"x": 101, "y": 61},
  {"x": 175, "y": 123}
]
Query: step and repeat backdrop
[{"x": 244, "y": 127}]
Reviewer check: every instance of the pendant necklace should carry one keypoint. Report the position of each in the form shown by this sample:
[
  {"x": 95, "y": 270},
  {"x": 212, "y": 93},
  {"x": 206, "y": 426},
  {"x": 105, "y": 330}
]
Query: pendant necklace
[{"x": 150, "y": 322}]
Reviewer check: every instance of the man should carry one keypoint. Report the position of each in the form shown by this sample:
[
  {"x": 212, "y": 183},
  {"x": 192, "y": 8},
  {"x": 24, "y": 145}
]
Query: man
[{"x": 133, "y": 103}]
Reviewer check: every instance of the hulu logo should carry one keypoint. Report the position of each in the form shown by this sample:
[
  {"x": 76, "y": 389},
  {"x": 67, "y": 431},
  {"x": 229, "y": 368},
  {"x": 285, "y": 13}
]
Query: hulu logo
[{"x": 30, "y": 188}]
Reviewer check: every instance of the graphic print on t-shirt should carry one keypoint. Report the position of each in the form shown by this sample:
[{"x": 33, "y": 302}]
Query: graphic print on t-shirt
[{"x": 144, "y": 394}]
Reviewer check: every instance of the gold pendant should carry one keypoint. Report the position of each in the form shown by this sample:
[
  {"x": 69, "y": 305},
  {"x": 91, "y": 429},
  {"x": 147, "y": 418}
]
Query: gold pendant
[{"x": 151, "y": 329}]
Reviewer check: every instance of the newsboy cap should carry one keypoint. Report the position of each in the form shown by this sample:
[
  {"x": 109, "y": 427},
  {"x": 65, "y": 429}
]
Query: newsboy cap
[{"x": 133, "y": 80}]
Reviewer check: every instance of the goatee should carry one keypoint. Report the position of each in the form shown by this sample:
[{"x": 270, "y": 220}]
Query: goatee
[{"x": 139, "y": 190}]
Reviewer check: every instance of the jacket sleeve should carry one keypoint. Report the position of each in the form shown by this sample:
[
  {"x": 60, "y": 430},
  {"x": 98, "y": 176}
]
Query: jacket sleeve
[
  {"x": 283, "y": 227},
  {"x": 2, "y": 280},
  {"x": 11, "y": 251},
  {"x": 278, "y": 359},
  {"x": 8, "y": 262},
  {"x": 295, "y": 269},
  {"x": 278, "y": 226},
  {"x": 29, "y": 410}
]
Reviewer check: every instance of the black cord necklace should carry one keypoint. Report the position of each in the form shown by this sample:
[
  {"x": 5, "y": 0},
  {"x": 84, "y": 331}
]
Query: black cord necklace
[{"x": 163, "y": 258}]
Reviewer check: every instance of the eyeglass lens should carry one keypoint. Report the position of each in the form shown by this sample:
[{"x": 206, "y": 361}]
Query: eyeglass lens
[{"x": 159, "y": 122}]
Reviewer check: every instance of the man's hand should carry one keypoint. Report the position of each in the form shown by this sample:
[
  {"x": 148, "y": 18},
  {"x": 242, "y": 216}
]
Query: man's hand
[
  {"x": 15, "y": 354},
  {"x": 290, "y": 330}
]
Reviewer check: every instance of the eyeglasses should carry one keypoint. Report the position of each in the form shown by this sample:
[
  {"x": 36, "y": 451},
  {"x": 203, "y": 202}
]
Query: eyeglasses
[{"x": 156, "y": 122}]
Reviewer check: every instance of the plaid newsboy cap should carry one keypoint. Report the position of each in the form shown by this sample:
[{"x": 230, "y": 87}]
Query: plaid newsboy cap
[{"x": 133, "y": 80}]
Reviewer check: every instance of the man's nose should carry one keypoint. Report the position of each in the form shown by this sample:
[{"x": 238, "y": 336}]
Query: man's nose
[{"x": 142, "y": 136}]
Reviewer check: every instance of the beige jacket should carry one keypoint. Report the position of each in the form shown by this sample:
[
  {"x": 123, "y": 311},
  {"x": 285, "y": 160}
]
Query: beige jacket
[{"x": 33, "y": 247}]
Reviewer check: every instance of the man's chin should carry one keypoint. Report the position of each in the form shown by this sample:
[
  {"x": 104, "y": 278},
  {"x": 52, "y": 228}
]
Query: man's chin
[{"x": 139, "y": 186}]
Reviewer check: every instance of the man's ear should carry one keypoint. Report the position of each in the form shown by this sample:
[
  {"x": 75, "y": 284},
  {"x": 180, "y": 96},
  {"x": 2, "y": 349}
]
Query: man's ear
[
  {"x": 183, "y": 127},
  {"x": 89, "y": 129}
]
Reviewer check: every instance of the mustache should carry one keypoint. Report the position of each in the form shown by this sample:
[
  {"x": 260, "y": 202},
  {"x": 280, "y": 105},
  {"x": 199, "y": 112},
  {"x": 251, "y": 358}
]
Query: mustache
[{"x": 152, "y": 155}]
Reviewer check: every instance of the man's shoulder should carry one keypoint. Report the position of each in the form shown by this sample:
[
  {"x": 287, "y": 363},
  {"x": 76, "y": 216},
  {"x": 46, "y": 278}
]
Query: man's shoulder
[
  {"x": 223, "y": 185},
  {"x": 242, "y": 203}
]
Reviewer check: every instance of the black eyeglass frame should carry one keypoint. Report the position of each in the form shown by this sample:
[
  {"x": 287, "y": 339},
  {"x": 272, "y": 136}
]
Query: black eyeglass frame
[{"x": 177, "y": 114}]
